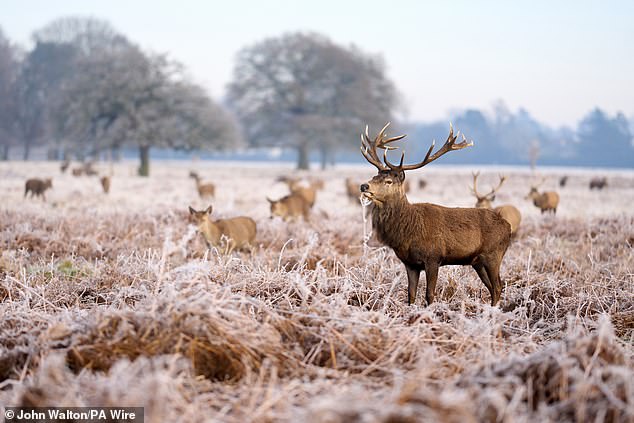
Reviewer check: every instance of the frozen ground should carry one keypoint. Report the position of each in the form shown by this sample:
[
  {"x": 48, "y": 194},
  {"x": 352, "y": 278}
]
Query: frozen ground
[{"x": 113, "y": 300}]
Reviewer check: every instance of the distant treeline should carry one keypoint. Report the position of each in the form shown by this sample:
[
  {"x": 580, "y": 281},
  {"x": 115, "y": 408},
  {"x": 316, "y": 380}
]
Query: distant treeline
[
  {"x": 85, "y": 91},
  {"x": 517, "y": 138}
]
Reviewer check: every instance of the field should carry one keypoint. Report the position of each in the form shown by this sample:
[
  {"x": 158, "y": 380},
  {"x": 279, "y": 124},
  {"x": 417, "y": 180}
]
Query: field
[{"x": 113, "y": 300}]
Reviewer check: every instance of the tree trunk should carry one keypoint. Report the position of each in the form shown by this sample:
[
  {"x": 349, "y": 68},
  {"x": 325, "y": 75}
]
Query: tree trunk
[
  {"x": 144, "y": 155},
  {"x": 302, "y": 157},
  {"x": 323, "y": 159},
  {"x": 5, "y": 153}
]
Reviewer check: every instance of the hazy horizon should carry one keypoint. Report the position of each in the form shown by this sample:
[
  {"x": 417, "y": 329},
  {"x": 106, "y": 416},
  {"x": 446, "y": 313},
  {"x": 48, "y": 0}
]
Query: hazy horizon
[{"x": 558, "y": 61}]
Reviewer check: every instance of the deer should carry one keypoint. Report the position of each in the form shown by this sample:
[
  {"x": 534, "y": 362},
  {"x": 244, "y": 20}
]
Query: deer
[
  {"x": 422, "y": 184},
  {"x": 352, "y": 190},
  {"x": 598, "y": 183},
  {"x": 509, "y": 212},
  {"x": 37, "y": 187},
  {"x": 77, "y": 171},
  {"x": 427, "y": 236},
  {"x": 290, "y": 207},
  {"x": 563, "y": 181},
  {"x": 306, "y": 189},
  {"x": 204, "y": 189},
  {"x": 236, "y": 233},
  {"x": 545, "y": 201},
  {"x": 105, "y": 183},
  {"x": 89, "y": 170},
  {"x": 64, "y": 166}
]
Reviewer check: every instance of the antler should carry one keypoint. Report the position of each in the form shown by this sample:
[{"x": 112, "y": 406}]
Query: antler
[
  {"x": 490, "y": 194},
  {"x": 539, "y": 184},
  {"x": 475, "y": 188},
  {"x": 368, "y": 147},
  {"x": 449, "y": 145}
]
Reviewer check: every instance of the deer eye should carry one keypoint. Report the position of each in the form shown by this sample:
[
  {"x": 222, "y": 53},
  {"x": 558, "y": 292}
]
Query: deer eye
[{"x": 388, "y": 181}]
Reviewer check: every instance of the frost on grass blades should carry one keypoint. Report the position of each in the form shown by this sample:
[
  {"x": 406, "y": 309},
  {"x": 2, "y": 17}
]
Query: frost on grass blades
[
  {"x": 367, "y": 232},
  {"x": 117, "y": 300}
]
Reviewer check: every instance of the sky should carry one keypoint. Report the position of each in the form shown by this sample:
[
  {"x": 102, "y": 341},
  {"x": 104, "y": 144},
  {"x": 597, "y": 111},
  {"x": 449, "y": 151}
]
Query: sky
[{"x": 556, "y": 59}]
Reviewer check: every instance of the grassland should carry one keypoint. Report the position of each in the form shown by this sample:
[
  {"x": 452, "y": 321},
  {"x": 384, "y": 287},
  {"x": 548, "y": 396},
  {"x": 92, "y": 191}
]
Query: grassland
[{"x": 114, "y": 300}]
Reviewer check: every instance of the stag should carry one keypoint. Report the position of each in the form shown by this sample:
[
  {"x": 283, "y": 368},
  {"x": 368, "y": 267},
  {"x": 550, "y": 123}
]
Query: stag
[
  {"x": 545, "y": 201},
  {"x": 426, "y": 236},
  {"x": 509, "y": 212}
]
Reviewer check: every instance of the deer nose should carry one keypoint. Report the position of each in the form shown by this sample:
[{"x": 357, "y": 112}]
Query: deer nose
[{"x": 364, "y": 187}]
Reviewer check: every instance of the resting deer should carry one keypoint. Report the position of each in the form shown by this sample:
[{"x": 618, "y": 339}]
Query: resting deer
[
  {"x": 426, "y": 236},
  {"x": 236, "y": 233},
  {"x": 204, "y": 189},
  {"x": 307, "y": 189},
  {"x": 598, "y": 183},
  {"x": 509, "y": 212},
  {"x": 290, "y": 208},
  {"x": 37, "y": 187},
  {"x": 545, "y": 201}
]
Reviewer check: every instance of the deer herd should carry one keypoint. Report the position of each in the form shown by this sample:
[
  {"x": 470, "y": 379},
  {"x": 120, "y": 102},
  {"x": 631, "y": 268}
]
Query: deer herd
[{"x": 423, "y": 236}]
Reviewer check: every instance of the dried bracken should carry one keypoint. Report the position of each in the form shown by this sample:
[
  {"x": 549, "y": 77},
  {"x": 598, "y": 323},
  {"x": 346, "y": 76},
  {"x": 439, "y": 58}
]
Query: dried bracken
[{"x": 107, "y": 300}]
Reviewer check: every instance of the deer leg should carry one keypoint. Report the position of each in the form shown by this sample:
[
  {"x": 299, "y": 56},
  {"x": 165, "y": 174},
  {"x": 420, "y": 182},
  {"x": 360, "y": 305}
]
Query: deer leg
[
  {"x": 431, "y": 274},
  {"x": 482, "y": 273},
  {"x": 493, "y": 270},
  {"x": 413, "y": 275}
]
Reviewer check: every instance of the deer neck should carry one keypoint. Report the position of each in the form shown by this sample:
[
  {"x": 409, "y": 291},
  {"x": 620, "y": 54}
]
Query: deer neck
[
  {"x": 390, "y": 218},
  {"x": 210, "y": 231}
]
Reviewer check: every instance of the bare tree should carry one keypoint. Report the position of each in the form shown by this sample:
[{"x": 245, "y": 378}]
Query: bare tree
[
  {"x": 9, "y": 67},
  {"x": 125, "y": 97},
  {"x": 302, "y": 91}
]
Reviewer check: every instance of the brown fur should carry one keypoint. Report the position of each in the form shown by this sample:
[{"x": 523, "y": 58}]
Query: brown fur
[
  {"x": 426, "y": 236},
  {"x": 236, "y": 233},
  {"x": 422, "y": 184},
  {"x": 509, "y": 212},
  {"x": 37, "y": 187},
  {"x": 598, "y": 183},
  {"x": 307, "y": 189},
  {"x": 204, "y": 189},
  {"x": 88, "y": 169},
  {"x": 105, "y": 183},
  {"x": 546, "y": 201},
  {"x": 77, "y": 171},
  {"x": 64, "y": 166},
  {"x": 563, "y": 180},
  {"x": 290, "y": 208},
  {"x": 352, "y": 189}
]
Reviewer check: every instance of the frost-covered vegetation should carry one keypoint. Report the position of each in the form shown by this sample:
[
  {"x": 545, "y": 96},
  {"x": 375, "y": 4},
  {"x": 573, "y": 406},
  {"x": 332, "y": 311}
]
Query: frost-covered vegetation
[{"x": 114, "y": 300}]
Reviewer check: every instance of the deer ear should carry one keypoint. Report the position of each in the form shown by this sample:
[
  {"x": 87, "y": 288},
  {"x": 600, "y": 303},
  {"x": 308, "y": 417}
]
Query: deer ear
[
  {"x": 208, "y": 210},
  {"x": 269, "y": 200},
  {"x": 401, "y": 175},
  {"x": 191, "y": 211}
]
